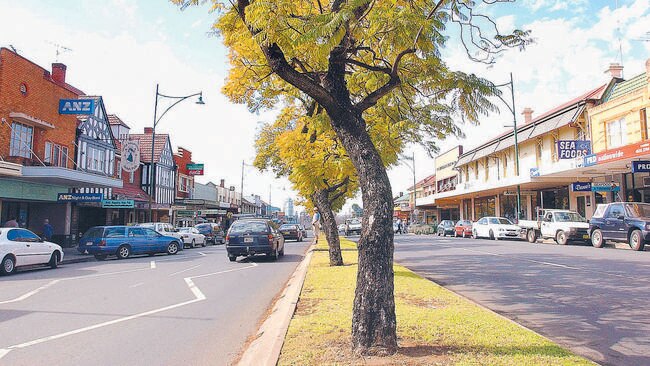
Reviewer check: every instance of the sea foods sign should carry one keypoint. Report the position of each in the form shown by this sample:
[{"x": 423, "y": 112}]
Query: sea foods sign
[
  {"x": 76, "y": 106},
  {"x": 570, "y": 149}
]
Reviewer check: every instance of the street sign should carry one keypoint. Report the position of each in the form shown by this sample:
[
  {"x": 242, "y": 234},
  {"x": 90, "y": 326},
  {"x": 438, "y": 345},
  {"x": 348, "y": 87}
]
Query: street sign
[
  {"x": 570, "y": 149},
  {"x": 212, "y": 212},
  {"x": 176, "y": 208},
  {"x": 581, "y": 187},
  {"x": 118, "y": 203},
  {"x": 76, "y": 106},
  {"x": 79, "y": 197},
  {"x": 195, "y": 169},
  {"x": 523, "y": 193},
  {"x": 605, "y": 187},
  {"x": 185, "y": 213},
  {"x": 642, "y": 166},
  {"x": 130, "y": 156}
]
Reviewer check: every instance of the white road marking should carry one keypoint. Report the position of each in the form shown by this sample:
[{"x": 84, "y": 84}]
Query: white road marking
[
  {"x": 137, "y": 284},
  {"x": 198, "y": 296},
  {"x": 185, "y": 270},
  {"x": 202, "y": 254},
  {"x": 30, "y": 293},
  {"x": 153, "y": 264}
]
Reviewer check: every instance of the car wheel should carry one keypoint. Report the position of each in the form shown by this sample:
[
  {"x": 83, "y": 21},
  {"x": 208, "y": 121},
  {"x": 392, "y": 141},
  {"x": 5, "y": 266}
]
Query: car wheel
[
  {"x": 54, "y": 260},
  {"x": 531, "y": 236},
  {"x": 597, "y": 238},
  {"x": 274, "y": 255},
  {"x": 172, "y": 248},
  {"x": 492, "y": 237},
  {"x": 561, "y": 238},
  {"x": 474, "y": 234},
  {"x": 463, "y": 235},
  {"x": 8, "y": 265},
  {"x": 193, "y": 243},
  {"x": 281, "y": 252},
  {"x": 100, "y": 257},
  {"x": 203, "y": 244},
  {"x": 232, "y": 258},
  {"x": 123, "y": 252},
  {"x": 636, "y": 240}
]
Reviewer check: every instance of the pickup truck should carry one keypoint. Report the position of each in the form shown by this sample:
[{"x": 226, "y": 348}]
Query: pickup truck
[
  {"x": 560, "y": 225},
  {"x": 352, "y": 226},
  {"x": 627, "y": 222}
]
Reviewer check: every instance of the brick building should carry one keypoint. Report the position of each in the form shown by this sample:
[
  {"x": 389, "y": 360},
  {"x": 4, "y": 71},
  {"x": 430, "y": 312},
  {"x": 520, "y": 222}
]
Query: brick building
[{"x": 184, "y": 181}]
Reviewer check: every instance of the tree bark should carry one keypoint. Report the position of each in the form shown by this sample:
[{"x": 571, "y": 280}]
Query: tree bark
[
  {"x": 322, "y": 201},
  {"x": 373, "y": 319}
]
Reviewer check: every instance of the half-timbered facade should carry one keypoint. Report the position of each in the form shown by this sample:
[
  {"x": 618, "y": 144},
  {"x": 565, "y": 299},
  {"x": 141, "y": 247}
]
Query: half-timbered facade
[{"x": 162, "y": 165}]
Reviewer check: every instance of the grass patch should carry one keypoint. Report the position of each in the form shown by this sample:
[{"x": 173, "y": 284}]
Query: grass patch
[
  {"x": 435, "y": 326},
  {"x": 345, "y": 244}
]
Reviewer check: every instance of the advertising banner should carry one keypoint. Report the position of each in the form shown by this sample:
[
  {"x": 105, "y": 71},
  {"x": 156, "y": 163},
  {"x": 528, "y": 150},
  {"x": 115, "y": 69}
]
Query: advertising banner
[
  {"x": 605, "y": 187},
  {"x": 76, "y": 106},
  {"x": 570, "y": 149},
  {"x": 79, "y": 197},
  {"x": 619, "y": 153},
  {"x": 641, "y": 166},
  {"x": 581, "y": 187},
  {"x": 195, "y": 169},
  {"x": 118, "y": 203}
]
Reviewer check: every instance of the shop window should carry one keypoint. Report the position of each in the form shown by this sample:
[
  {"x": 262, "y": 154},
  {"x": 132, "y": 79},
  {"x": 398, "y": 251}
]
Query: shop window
[
  {"x": 616, "y": 133},
  {"x": 56, "y": 155},
  {"x": 21, "y": 140}
]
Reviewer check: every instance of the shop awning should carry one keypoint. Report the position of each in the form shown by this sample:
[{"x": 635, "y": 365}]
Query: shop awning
[
  {"x": 10, "y": 169},
  {"x": 464, "y": 159},
  {"x": 68, "y": 177},
  {"x": 29, "y": 120},
  {"x": 564, "y": 118}
]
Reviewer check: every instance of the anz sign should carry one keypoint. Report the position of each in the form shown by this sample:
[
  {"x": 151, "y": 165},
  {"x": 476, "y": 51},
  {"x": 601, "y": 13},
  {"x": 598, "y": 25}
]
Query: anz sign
[{"x": 76, "y": 106}]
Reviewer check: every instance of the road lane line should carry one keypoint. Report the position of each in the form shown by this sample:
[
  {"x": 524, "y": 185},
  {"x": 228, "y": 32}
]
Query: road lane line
[
  {"x": 185, "y": 270},
  {"x": 137, "y": 284},
  {"x": 30, "y": 293},
  {"x": 3, "y": 352},
  {"x": 198, "y": 296},
  {"x": 202, "y": 254},
  {"x": 153, "y": 264}
]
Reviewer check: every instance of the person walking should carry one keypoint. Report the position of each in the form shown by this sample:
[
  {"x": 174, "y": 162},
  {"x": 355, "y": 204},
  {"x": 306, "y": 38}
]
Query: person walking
[
  {"x": 315, "y": 223},
  {"x": 48, "y": 230},
  {"x": 12, "y": 222},
  {"x": 399, "y": 226}
]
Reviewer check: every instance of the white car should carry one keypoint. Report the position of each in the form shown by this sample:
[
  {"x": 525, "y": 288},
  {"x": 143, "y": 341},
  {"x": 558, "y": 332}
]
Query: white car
[
  {"x": 21, "y": 247},
  {"x": 191, "y": 236},
  {"x": 495, "y": 228},
  {"x": 162, "y": 229}
]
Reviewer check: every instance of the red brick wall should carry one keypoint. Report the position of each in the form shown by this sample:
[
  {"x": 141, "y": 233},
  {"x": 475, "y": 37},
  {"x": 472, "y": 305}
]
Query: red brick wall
[
  {"x": 41, "y": 102},
  {"x": 181, "y": 159}
]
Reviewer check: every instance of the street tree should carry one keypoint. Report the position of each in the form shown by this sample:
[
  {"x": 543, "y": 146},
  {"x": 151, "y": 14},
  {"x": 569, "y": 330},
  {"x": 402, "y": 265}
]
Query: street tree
[{"x": 356, "y": 59}]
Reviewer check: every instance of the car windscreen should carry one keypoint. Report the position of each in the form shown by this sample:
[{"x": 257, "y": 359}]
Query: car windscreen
[
  {"x": 240, "y": 227},
  {"x": 568, "y": 217},
  {"x": 637, "y": 209}
]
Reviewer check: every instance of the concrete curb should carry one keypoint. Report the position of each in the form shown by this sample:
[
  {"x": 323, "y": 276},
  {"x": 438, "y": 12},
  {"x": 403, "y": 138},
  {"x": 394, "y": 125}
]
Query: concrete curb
[
  {"x": 78, "y": 260},
  {"x": 265, "y": 349}
]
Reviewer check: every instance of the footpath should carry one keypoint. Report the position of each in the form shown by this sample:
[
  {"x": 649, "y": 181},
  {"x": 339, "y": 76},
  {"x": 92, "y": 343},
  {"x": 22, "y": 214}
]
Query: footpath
[{"x": 435, "y": 326}]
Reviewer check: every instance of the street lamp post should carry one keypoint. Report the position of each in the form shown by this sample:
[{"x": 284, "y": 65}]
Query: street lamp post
[
  {"x": 156, "y": 119},
  {"x": 514, "y": 126},
  {"x": 412, "y": 167}
]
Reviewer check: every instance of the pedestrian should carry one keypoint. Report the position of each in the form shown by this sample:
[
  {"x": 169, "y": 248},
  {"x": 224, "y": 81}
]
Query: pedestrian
[
  {"x": 48, "y": 230},
  {"x": 399, "y": 226},
  {"x": 315, "y": 223},
  {"x": 11, "y": 222}
]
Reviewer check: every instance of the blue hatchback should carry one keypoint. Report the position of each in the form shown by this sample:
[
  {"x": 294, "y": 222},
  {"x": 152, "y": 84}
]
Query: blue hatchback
[{"x": 123, "y": 241}]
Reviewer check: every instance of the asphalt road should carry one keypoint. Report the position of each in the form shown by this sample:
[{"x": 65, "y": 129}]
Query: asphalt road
[
  {"x": 194, "y": 308},
  {"x": 595, "y": 302}
]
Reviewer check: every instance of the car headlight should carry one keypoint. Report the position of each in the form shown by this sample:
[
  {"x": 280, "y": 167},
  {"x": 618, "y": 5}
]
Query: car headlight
[{"x": 502, "y": 229}]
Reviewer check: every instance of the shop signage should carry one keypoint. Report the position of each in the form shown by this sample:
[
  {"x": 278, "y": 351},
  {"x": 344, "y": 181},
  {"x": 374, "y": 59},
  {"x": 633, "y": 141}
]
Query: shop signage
[
  {"x": 185, "y": 213},
  {"x": 605, "y": 187},
  {"x": 641, "y": 166},
  {"x": 212, "y": 212},
  {"x": 79, "y": 197},
  {"x": 76, "y": 106},
  {"x": 130, "y": 156},
  {"x": 523, "y": 193},
  {"x": 191, "y": 202},
  {"x": 118, "y": 203},
  {"x": 179, "y": 208},
  {"x": 581, "y": 187},
  {"x": 534, "y": 172},
  {"x": 623, "y": 152},
  {"x": 195, "y": 169},
  {"x": 224, "y": 204},
  {"x": 570, "y": 149}
]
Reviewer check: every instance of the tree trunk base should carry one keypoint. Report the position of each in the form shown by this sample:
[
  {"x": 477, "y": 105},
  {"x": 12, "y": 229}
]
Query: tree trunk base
[{"x": 378, "y": 351}]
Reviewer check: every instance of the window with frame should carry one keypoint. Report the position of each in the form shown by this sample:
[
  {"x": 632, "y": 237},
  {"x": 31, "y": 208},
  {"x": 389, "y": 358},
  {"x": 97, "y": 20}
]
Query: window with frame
[
  {"x": 56, "y": 155},
  {"x": 95, "y": 158},
  {"x": 616, "y": 133},
  {"x": 182, "y": 186},
  {"x": 22, "y": 137}
]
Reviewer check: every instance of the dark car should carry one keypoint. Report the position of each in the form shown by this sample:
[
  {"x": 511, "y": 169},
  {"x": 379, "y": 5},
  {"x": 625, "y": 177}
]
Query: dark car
[
  {"x": 627, "y": 222},
  {"x": 248, "y": 237},
  {"x": 291, "y": 231},
  {"x": 446, "y": 227},
  {"x": 123, "y": 241},
  {"x": 463, "y": 228},
  {"x": 213, "y": 232}
]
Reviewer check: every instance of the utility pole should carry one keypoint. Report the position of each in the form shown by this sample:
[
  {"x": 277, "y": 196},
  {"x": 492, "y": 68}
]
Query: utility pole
[
  {"x": 414, "y": 187},
  {"x": 514, "y": 123},
  {"x": 241, "y": 202}
]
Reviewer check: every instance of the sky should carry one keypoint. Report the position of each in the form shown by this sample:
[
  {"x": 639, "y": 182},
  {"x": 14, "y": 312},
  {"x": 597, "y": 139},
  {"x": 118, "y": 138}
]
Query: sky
[{"x": 121, "y": 49}]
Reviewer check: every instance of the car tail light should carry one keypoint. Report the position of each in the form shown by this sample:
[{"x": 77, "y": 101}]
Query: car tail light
[
  {"x": 227, "y": 237},
  {"x": 102, "y": 243}
]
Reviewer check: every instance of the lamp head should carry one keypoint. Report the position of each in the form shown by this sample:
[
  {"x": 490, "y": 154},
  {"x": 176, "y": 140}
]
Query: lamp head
[{"x": 200, "y": 101}]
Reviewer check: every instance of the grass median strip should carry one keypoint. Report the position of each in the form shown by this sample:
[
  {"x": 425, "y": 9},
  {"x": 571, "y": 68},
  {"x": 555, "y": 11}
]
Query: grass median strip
[{"x": 435, "y": 326}]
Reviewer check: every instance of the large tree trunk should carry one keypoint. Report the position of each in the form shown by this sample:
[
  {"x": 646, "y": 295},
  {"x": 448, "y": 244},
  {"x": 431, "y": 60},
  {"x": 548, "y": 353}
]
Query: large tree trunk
[
  {"x": 322, "y": 201},
  {"x": 373, "y": 319}
]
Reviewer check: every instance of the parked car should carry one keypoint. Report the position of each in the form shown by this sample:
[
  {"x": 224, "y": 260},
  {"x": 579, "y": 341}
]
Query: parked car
[
  {"x": 213, "y": 232},
  {"x": 123, "y": 241},
  {"x": 192, "y": 237},
  {"x": 248, "y": 237},
  {"x": 463, "y": 228},
  {"x": 495, "y": 228},
  {"x": 291, "y": 231},
  {"x": 560, "y": 225},
  {"x": 352, "y": 226},
  {"x": 627, "y": 222},
  {"x": 445, "y": 227},
  {"x": 163, "y": 228},
  {"x": 341, "y": 228},
  {"x": 21, "y": 247}
]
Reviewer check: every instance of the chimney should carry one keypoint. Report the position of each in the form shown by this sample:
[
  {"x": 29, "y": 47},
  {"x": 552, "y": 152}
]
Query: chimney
[
  {"x": 615, "y": 70},
  {"x": 58, "y": 72},
  {"x": 222, "y": 183},
  {"x": 148, "y": 130},
  {"x": 528, "y": 115}
]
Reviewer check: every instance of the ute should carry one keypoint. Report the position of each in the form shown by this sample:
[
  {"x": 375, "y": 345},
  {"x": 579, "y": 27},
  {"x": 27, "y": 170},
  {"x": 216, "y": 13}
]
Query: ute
[{"x": 560, "y": 225}]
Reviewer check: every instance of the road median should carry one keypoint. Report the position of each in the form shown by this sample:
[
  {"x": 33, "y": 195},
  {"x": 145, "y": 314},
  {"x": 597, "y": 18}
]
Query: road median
[{"x": 435, "y": 326}]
